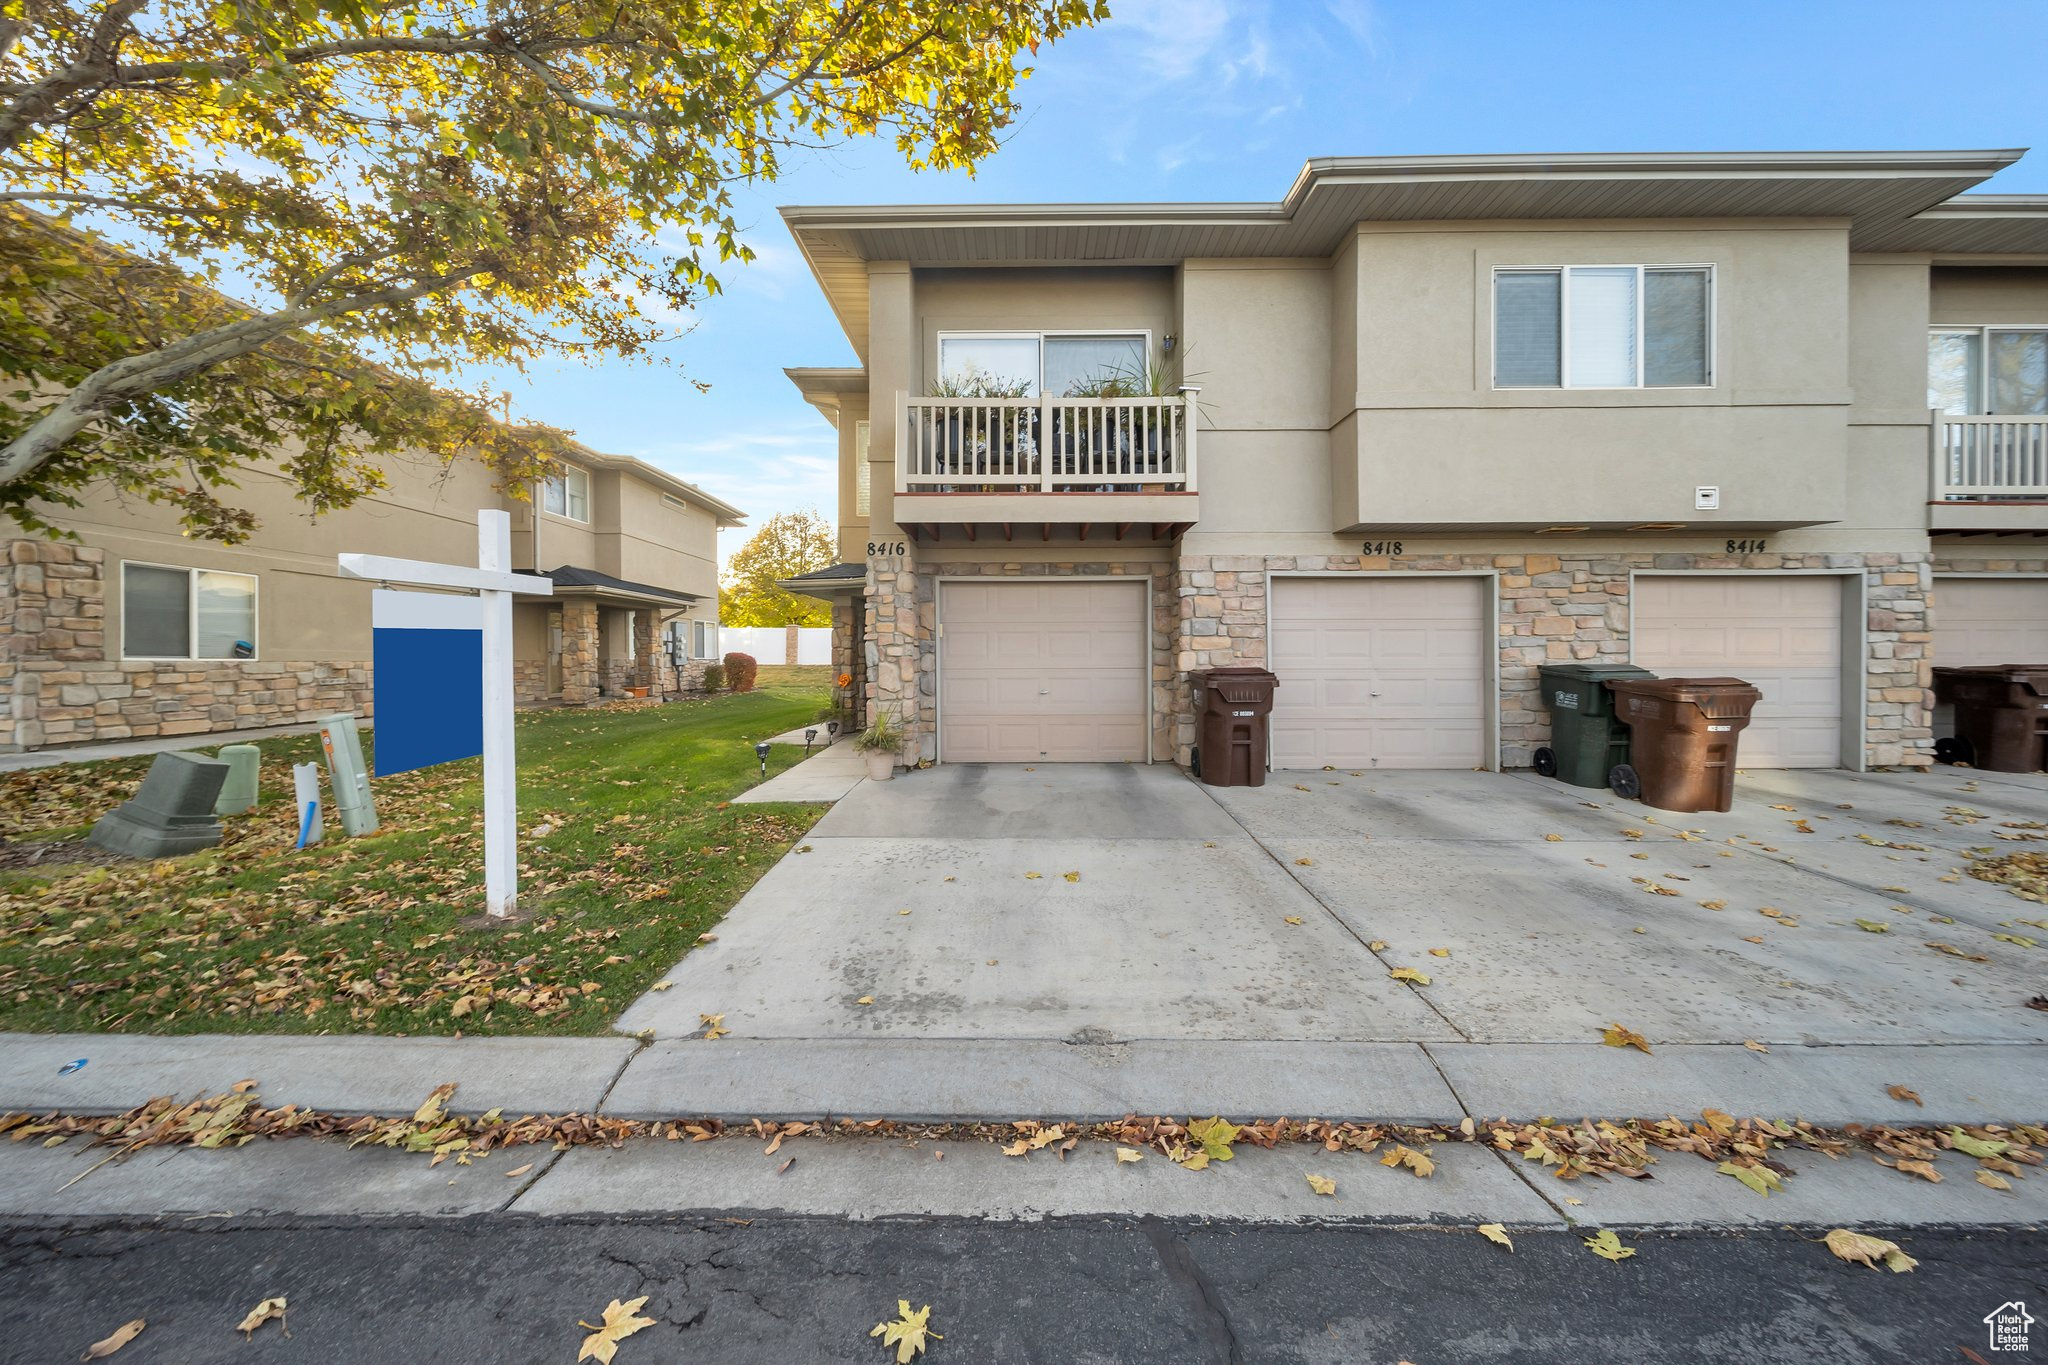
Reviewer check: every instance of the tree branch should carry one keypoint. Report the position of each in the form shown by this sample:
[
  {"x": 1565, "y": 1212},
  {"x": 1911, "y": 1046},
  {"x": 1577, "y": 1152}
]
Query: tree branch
[
  {"x": 134, "y": 376},
  {"x": 98, "y": 60},
  {"x": 99, "y": 201}
]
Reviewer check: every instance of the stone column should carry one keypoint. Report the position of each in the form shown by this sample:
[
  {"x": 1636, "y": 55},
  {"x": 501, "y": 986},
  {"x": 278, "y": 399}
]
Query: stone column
[
  {"x": 646, "y": 651},
  {"x": 790, "y": 638},
  {"x": 898, "y": 661},
  {"x": 579, "y": 651}
]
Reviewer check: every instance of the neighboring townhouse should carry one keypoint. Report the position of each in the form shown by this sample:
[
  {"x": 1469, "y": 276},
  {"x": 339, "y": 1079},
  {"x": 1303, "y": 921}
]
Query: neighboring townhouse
[
  {"x": 1426, "y": 424},
  {"x": 131, "y": 629}
]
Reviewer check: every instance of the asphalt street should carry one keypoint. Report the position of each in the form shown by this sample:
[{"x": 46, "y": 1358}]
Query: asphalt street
[{"x": 512, "y": 1289}]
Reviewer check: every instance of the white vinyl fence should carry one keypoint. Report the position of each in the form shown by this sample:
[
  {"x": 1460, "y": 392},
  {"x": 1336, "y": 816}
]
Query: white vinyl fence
[{"x": 770, "y": 644}]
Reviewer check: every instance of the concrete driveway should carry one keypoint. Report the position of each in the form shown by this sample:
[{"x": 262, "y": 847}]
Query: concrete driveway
[{"x": 973, "y": 919}]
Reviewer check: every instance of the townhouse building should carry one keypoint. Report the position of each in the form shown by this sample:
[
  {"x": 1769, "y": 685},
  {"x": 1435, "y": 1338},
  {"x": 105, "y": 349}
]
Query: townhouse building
[
  {"x": 1425, "y": 424},
  {"x": 126, "y": 628}
]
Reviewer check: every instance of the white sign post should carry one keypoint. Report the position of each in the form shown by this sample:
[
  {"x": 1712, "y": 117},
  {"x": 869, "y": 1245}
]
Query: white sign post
[{"x": 494, "y": 582}]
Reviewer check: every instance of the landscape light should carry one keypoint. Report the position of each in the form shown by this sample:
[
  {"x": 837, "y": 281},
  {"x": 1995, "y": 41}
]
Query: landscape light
[
  {"x": 761, "y": 752},
  {"x": 810, "y": 738}
]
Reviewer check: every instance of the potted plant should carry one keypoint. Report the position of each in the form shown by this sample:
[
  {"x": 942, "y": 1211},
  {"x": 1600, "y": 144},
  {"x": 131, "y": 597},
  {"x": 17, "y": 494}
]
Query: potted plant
[{"x": 881, "y": 743}]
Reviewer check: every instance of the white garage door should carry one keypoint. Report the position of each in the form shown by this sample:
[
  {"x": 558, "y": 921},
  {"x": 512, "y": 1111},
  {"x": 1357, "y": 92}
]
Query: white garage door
[
  {"x": 1379, "y": 672},
  {"x": 1043, "y": 672},
  {"x": 1990, "y": 621},
  {"x": 1783, "y": 634}
]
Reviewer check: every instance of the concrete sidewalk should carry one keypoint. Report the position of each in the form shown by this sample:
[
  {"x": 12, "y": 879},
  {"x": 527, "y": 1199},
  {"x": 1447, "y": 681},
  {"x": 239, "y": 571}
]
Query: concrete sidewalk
[{"x": 827, "y": 775}]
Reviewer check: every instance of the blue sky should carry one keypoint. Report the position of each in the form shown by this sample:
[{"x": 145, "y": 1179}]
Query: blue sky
[{"x": 1224, "y": 99}]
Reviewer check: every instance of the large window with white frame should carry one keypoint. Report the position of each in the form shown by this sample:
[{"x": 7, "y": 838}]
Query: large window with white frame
[
  {"x": 1993, "y": 370},
  {"x": 1027, "y": 364},
  {"x": 1603, "y": 327},
  {"x": 168, "y": 612},
  {"x": 567, "y": 494}
]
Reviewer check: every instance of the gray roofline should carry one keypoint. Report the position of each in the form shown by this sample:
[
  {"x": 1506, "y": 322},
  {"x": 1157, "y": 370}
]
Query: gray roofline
[{"x": 1338, "y": 169}]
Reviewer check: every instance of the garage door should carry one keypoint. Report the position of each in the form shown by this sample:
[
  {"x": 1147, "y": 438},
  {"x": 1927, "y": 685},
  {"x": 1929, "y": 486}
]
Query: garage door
[
  {"x": 1783, "y": 634},
  {"x": 1379, "y": 672},
  {"x": 1990, "y": 621},
  {"x": 1043, "y": 672}
]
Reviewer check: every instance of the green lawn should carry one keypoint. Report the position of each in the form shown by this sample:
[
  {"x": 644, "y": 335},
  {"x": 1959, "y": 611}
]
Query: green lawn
[{"x": 628, "y": 851}]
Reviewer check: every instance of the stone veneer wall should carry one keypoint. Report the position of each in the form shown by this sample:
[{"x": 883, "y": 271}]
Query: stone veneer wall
[
  {"x": 902, "y": 611},
  {"x": 1566, "y": 607},
  {"x": 57, "y": 685},
  {"x": 529, "y": 680},
  {"x": 853, "y": 697},
  {"x": 1970, "y": 559}
]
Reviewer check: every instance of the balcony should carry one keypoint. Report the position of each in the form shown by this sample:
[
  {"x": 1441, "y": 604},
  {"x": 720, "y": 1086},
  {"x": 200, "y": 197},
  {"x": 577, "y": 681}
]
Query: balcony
[
  {"x": 1988, "y": 474},
  {"x": 1126, "y": 465}
]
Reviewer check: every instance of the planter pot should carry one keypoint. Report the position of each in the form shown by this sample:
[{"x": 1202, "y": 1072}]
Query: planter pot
[{"x": 881, "y": 764}]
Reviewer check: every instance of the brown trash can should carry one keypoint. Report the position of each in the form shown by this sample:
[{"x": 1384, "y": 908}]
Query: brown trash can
[
  {"x": 1231, "y": 725},
  {"x": 2001, "y": 714},
  {"x": 1682, "y": 739}
]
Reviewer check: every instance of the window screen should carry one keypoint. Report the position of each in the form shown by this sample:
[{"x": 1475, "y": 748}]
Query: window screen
[
  {"x": 1526, "y": 329},
  {"x": 1675, "y": 319},
  {"x": 156, "y": 620},
  {"x": 225, "y": 613}
]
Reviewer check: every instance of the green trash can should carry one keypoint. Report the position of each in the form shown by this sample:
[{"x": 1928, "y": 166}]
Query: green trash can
[{"x": 1587, "y": 742}]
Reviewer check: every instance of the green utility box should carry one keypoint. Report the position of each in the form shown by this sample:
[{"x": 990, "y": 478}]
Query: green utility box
[{"x": 1587, "y": 742}]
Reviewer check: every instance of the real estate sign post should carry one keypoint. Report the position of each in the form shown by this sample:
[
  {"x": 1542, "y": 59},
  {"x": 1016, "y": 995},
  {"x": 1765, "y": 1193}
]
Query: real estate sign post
[{"x": 494, "y": 583}]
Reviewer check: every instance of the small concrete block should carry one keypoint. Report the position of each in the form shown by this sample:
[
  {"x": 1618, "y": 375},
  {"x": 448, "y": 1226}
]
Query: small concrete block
[{"x": 171, "y": 813}]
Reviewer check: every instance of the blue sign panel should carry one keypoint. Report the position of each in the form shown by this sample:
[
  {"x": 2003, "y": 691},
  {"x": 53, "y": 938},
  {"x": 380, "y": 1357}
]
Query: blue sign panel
[{"x": 427, "y": 653}]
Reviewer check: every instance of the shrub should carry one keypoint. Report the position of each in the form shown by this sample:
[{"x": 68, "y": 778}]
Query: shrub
[
  {"x": 740, "y": 670},
  {"x": 882, "y": 737},
  {"x": 714, "y": 678}
]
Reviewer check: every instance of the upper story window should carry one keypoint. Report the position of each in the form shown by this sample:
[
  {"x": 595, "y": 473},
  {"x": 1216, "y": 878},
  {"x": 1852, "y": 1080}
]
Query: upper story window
[
  {"x": 174, "y": 613},
  {"x": 861, "y": 476},
  {"x": 1603, "y": 327},
  {"x": 567, "y": 494},
  {"x": 1026, "y": 364},
  {"x": 1988, "y": 370}
]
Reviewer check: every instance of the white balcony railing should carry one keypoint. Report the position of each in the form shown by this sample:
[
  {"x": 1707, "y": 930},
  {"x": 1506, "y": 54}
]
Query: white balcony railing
[
  {"x": 1978, "y": 459},
  {"x": 1046, "y": 445}
]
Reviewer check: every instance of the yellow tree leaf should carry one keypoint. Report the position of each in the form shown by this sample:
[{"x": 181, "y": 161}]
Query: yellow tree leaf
[
  {"x": 1901, "y": 1093},
  {"x": 1323, "y": 1185},
  {"x": 1996, "y": 1182},
  {"x": 1073, "y": 876},
  {"x": 714, "y": 1026},
  {"x": 621, "y": 1320},
  {"x": 262, "y": 1313},
  {"x": 1414, "y": 974},
  {"x": 1412, "y": 1159},
  {"x": 907, "y": 1331},
  {"x": 1616, "y": 1035},
  {"x": 1494, "y": 1232},
  {"x": 1762, "y": 1179},
  {"x": 114, "y": 1340},
  {"x": 1608, "y": 1247},
  {"x": 1292, "y": 919},
  {"x": 1754, "y": 1046},
  {"x": 1378, "y": 945},
  {"x": 1862, "y": 1249},
  {"x": 1215, "y": 1135},
  {"x": 1977, "y": 1147},
  {"x": 1439, "y": 952},
  {"x": 1126, "y": 1155}
]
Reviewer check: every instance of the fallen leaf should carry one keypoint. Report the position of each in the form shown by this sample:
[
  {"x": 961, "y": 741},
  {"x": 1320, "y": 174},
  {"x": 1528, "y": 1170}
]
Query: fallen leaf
[
  {"x": 1420, "y": 978},
  {"x": 1994, "y": 1181},
  {"x": 1977, "y": 1147},
  {"x": 1304, "y": 862},
  {"x": 517, "y": 1171},
  {"x": 1762, "y": 1179},
  {"x": 1902, "y": 1094},
  {"x": 1323, "y": 1185},
  {"x": 714, "y": 1026},
  {"x": 1608, "y": 1247},
  {"x": 657, "y": 987},
  {"x": 1127, "y": 1155},
  {"x": 865, "y": 1000},
  {"x": 114, "y": 1341},
  {"x": 1714, "y": 905},
  {"x": 1954, "y": 951},
  {"x": 1018, "y": 1148},
  {"x": 1494, "y": 1232},
  {"x": 1862, "y": 1249},
  {"x": 1033, "y": 876},
  {"x": 1439, "y": 952},
  {"x": 1293, "y": 919},
  {"x": 1413, "y": 1160},
  {"x": 1617, "y": 1036},
  {"x": 1073, "y": 876},
  {"x": 1871, "y": 926},
  {"x": 621, "y": 1320},
  {"x": 1553, "y": 838},
  {"x": 907, "y": 1331},
  {"x": 1720, "y": 1121},
  {"x": 1754, "y": 1046},
  {"x": 1924, "y": 1169},
  {"x": 2020, "y": 939},
  {"x": 1752, "y": 938},
  {"x": 262, "y": 1313},
  {"x": 1378, "y": 945},
  {"x": 1215, "y": 1135}
]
